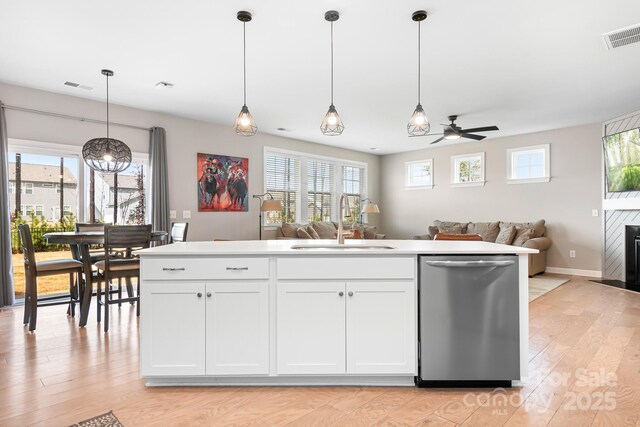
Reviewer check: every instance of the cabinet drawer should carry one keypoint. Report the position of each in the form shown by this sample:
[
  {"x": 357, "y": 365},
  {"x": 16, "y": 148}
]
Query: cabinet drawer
[
  {"x": 220, "y": 268},
  {"x": 346, "y": 267}
]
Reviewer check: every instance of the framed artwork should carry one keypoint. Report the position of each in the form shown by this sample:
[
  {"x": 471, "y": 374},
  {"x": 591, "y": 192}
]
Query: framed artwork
[
  {"x": 223, "y": 183},
  {"x": 467, "y": 170},
  {"x": 418, "y": 175}
]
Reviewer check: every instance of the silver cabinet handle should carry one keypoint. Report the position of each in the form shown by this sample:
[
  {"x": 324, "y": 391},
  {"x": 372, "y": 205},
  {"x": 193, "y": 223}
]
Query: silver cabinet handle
[
  {"x": 467, "y": 264},
  {"x": 341, "y": 293},
  {"x": 208, "y": 294},
  {"x": 173, "y": 269},
  {"x": 199, "y": 294},
  {"x": 237, "y": 268},
  {"x": 350, "y": 294}
]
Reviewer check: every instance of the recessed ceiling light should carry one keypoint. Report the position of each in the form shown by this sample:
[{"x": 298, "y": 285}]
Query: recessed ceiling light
[
  {"x": 164, "y": 85},
  {"x": 283, "y": 129},
  {"x": 374, "y": 149}
]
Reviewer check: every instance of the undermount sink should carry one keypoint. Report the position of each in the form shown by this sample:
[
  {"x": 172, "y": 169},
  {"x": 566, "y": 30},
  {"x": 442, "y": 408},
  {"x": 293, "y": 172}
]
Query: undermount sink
[{"x": 343, "y": 247}]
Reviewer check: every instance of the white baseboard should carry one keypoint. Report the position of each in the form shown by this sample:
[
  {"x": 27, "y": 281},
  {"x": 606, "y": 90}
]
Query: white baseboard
[{"x": 575, "y": 272}]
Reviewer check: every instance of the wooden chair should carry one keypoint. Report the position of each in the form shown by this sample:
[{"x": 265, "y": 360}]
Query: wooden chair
[
  {"x": 178, "y": 232},
  {"x": 119, "y": 244},
  {"x": 34, "y": 269},
  {"x": 88, "y": 227}
]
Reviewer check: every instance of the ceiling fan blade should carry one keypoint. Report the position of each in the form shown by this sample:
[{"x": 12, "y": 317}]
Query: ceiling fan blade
[
  {"x": 438, "y": 140},
  {"x": 471, "y": 136},
  {"x": 482, "y": 129},
  {"x": 429, "y": 134}
]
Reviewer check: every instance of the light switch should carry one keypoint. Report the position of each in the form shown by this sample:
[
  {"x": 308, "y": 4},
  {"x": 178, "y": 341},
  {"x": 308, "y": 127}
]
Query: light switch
[
  {"x": 594, "y": 212},
  {"x": 173, "y": 214},
  {"x": 186, "y": 214}
]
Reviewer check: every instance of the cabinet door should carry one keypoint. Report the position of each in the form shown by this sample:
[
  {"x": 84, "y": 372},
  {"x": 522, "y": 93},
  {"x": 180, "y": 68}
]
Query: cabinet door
[
  {"x": 311, "y": 328},
  {"x": 238, "y": 328},
  {"x": 381, "y": 328},
  {"x": 172, "y": 329}
]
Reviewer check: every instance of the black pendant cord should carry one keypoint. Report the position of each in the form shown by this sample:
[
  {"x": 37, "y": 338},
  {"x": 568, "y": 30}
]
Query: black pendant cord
[
  {"x": 107, "y": 106},
  {"x": 244, "y": 61},
  {"x": 419, "y": 75},
  {"x": 331, "y": 62}
]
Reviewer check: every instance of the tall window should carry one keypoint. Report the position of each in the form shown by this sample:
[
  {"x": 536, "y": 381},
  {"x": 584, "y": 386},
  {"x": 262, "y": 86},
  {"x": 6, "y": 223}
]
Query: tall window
[
  {"x": 282, "y": 180},
  {"x": 528, "y": 164},
  {"x": 309, "y": 186}
]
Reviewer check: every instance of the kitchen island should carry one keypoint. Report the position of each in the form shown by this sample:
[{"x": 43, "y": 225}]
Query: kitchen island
[{"x": 293, "y": 312}]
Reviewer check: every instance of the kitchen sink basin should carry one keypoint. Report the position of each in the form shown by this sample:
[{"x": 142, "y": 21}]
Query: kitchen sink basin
[{"x": 336, "y": 246}]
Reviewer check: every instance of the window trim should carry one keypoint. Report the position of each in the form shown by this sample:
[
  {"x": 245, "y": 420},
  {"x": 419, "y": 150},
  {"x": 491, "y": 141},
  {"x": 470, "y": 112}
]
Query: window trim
[
  {"x": 407, "y": 178},
  {"x": 302, "y": 210},
  {"x": 455, "y": 176},
  {"x": 512, "y": 152}
]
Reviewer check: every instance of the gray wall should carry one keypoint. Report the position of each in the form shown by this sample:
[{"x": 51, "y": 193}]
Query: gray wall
[
  {"x": 566, "y": 202},
  {"x": 185, "y": 138}
]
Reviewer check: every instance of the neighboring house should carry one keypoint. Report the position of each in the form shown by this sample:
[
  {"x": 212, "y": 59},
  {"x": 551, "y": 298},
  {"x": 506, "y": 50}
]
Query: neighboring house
[
  {"x": 40, "y": 191},
  {"x": 128, "y": 197}
]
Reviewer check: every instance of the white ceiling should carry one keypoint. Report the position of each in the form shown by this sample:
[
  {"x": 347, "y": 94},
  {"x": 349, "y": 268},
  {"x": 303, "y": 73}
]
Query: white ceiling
[{"x": 522, "y": 65}]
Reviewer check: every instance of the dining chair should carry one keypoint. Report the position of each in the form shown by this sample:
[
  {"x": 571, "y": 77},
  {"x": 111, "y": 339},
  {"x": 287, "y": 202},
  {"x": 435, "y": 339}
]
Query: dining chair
[
  {"x": 83, "y": 228},
  {"x": 178, "y": 232},
  {"x": 34, "y": 269},
  {"x": 120, "y": 242}
]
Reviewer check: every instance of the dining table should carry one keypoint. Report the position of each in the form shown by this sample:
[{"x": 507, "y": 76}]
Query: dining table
[{"x": 83, "y": 240}]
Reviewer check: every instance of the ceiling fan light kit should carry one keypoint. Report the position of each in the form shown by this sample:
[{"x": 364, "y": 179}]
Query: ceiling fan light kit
[
  {"x": 107, "y": 155},
  {"x": 245, "y": 125},
  {"x": 332, "y": 124},
  {"x": 453, "y": 131},
  {"x": 419, "y": 122}
]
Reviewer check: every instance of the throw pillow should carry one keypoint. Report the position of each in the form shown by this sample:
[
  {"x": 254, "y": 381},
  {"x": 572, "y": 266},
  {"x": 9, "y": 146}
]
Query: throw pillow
[
  {"x": 488, "y": 230},
  {"x": 302, "y": 233},
  {"x": 522, "y": 235},
  {"x": 450, "y": 229},
  {"x": 290, "y": 230},
  {"x": 358, "y": 230},
  {"x": 433, "y": 230},
  {"x": 506, "y": 236},
  {"x": 312, "y": 232},
  {"x": 370, "y": 232},
  {"x": 325, "y": 230}
]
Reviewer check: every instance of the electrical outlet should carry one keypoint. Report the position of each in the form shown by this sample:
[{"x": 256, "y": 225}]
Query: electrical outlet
[
  {"x": 594, "y": 212},
  {"x": 173, "y": 214},
  {"x": 186, "y": 214},
  {"x": 572, "y": 253}
]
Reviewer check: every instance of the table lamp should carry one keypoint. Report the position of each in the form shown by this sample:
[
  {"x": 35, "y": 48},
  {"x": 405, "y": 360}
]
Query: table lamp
[
  {"x": 368, "y": 208},
  {"x": 268, "y": 204}
]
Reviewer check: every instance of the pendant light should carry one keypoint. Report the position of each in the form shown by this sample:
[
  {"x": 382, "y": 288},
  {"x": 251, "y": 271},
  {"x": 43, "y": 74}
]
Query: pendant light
[
  {"x": 245, "y": 125},
  {"x": 418, "y": 123},
  {"x": 332, "y": 124},
  {"x": 106, "y": 154}
]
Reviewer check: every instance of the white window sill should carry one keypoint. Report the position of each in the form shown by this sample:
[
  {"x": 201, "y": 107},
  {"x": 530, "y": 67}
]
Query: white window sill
[
  {"x": 529, "y": 180},
  {"x": 418, "y": 187},
  {"x": 468, "y": 184}
]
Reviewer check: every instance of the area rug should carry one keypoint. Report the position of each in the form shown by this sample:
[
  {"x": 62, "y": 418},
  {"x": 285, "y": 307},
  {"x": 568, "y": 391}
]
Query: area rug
[
  {"x": 540, "y": 285},
  {"x": 104, "y": 420}
]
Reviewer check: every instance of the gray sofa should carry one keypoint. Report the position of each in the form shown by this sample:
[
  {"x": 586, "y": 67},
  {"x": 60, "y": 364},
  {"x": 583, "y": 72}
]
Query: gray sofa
[
  {"x": 325, "y": 230},
  {"x": 489, "y": 231}
]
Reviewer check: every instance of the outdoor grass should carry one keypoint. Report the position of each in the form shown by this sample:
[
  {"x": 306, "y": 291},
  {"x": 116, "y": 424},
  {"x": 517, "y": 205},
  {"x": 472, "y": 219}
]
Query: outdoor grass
[{"x": 46, "y": 285}]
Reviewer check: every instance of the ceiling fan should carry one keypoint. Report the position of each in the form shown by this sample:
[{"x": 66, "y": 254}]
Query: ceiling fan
[{"x": 453, "y": 131}]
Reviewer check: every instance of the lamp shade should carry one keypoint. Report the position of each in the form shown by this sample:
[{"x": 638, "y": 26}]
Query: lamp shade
[
  {"x": 370, "y": 208},
  {"x": 271, "y": 205}
]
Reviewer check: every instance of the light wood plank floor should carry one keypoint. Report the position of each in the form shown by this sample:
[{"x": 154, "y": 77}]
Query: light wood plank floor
[{"x": 62, "y": 374}]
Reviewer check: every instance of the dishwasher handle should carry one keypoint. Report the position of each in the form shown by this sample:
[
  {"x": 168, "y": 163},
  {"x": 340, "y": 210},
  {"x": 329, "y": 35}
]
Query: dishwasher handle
[{"x": 468, "y": 264}]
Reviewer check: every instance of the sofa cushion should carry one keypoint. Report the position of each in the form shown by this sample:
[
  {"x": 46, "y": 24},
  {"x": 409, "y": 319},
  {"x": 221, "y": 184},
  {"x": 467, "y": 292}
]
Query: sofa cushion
[
  {"x": 302, "y": 233},
  {"x": 290, "y": 230},
  {"x": 522, "y": 235},
  {"x": 538, "y": 227},
  {"x": 488, "y": 230},
  {"x": 506, "y": 235},
  {"x": 432, "y": 230},
  {"x": 312, "y": 232},
  {"x": 370, "y": 232},
  {"x": 325, "y": 230},
  {"x": 450, "y": 229},
  {"x": 462, "y": 225}
]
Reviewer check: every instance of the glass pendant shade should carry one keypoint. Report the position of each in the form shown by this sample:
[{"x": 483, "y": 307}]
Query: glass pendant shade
[
  {"x": 245, "y": 125},
  {"x": 418, "y": 123},
  {"x": 332, "y": 124},
  {"x": 106, "y": 155}
]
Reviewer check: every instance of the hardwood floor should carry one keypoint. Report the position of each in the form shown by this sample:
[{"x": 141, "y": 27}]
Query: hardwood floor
[{"x": 584, "y": 357}]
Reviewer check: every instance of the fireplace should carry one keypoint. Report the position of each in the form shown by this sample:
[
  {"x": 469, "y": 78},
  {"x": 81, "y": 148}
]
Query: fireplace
[{"x": 632, "y": 253}]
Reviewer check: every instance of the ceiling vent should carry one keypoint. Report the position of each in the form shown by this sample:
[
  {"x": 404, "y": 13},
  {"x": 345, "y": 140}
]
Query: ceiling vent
[
  {"x": 77, "y": 85},
  {"x": 164, "y": 85},
  {"x": 622, "y": 37}
]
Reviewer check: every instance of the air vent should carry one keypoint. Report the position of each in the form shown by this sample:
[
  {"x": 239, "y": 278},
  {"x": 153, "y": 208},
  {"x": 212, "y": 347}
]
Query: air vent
[
  {"x": 72, "y": 84},
  {"x": 164, "y": 85},
  {"x": 622, "y": 37},
  {"x": 77, "y": 85}
]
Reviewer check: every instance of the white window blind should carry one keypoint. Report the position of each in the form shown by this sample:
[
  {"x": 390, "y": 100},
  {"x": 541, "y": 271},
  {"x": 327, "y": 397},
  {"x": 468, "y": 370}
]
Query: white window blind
[
  {"x": 282, "y": 180},
  {"x": 320, "y": 190}
]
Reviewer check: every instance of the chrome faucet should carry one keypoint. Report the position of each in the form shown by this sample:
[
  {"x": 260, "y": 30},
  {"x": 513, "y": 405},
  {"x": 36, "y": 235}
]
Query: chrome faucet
[{"x": 343, "y": 203}]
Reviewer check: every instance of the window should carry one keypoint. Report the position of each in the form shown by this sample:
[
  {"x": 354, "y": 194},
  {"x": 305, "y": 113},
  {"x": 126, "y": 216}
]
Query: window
[
  {"x": 27, "y": 188},
  {"x": 528, "y": 164},
  {"x": 26, "y": 211},
  {"x": 309, "y": 185},
  {"x": 12, "y": 187},
  {"x": 419, "y": 174},
  {"x": 39, "y": 209},
  {"x": 467, "y": 170},
  {"x": 320, "y": 189}
]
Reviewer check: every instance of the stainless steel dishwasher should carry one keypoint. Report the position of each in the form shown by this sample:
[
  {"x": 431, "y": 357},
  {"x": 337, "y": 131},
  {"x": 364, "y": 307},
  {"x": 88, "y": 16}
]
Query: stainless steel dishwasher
[{"x": 469, "y": 321}]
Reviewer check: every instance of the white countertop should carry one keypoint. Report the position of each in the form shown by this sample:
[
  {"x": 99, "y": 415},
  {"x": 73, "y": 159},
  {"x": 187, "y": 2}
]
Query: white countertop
[{"x": 283, "y": 247}]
